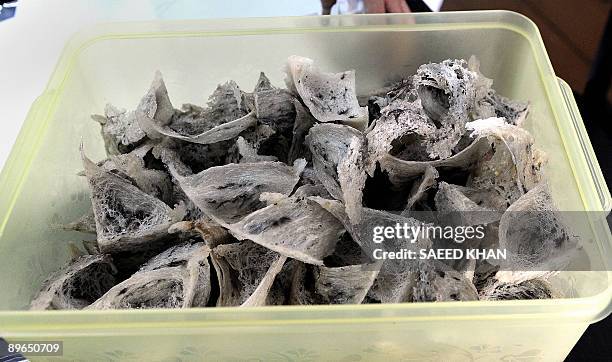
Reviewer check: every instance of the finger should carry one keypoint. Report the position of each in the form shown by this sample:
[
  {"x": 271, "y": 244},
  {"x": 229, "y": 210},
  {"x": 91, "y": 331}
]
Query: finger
[
  {"x": 396, "y": 6},
  {"x": 327, "y": 5},
  {"x": 405, "y": 7},
  {"x": 374, "y": 6}
]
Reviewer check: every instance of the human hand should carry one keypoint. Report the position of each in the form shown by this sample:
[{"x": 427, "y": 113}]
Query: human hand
[
  {"x": 327, "y": 5},
  {"x": 386, "y": 6},
  {"x": 373, "y": 6}
]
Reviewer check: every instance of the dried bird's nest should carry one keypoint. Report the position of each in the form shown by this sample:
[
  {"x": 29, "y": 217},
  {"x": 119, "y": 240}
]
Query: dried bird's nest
[{"x": 271, "y": 196}]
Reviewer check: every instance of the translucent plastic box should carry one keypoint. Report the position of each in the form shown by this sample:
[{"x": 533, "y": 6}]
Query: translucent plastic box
[{"x": 116, "y": 62}]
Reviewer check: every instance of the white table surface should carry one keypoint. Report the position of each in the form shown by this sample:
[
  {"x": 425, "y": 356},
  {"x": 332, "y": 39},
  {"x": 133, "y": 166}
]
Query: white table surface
[{"x": 31, "y": 42}]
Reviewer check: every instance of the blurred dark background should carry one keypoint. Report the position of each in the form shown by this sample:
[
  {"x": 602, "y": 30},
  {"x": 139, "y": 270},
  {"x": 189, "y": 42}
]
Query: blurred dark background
[
  {"x": 578, "y": 37},
  {"x": 571, "y": 30}
]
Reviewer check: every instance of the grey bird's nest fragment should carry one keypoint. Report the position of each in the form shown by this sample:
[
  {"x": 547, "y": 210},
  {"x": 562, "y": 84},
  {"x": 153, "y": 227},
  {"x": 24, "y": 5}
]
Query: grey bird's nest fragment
[
  {"x": 448, "y": 92},
  {"x": 528, "y": 289},
  {"x": 501, "y": 158},
  {"x": 280, "y": 291},
  {"x": 248, "y": 152},
  {"x": 120, "y": 129},
  {"x": 212, "y": 233},
  {"x": 156, "y": 104},
  {"x": 403, "y": 130},
  {"x": 254, "y": 145},
  {"x": 395, "y": 278},
  {"x": 224, "y": 105},
  {"x": 261, "y": 296},
  {"x": 437, "y": 283},
  {"x": 363, "y": 232},
  {"x": 535, "y": 235},
  {"x": 224, "y": 118},
  {"x": 310, "y": 185},
  {"x": 401, "y": 171},
  {"x": 245, "y": 273},
  {"x": 194, "y": 258},
  {"x": 131, "y": 166},
  {"x": 455, "y": 208},
  {"x": 274, "y": 109},
  {"x": 303, "y": 123},
  {"x": 420, "y": 188},
  {"x": 77, "y": 285},
  {"x": 495, "y": 105},
  {"x": 219, "y": 133},
  {"x": 126, "y": 217},
  {"x": 263, "y": 84},
  {"x": 274, "y": 104},
  {"x": 177, "y": 278},
  {"x": 160, "y": 288},
  {"x": 512, "y": 166},
  {"x": 338, "y": 155},
  {"x": 328, "y": 96},
  {"x": 294, "y": 227},
  {"x": 188, "y": 158},
  {"x": 229, "y": 193},
  {"x": 337, "y": 285}
]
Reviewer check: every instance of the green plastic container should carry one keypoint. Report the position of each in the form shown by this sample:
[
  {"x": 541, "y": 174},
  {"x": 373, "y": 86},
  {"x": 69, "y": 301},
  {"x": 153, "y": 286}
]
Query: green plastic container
[{"x": 116, "y": 62}]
